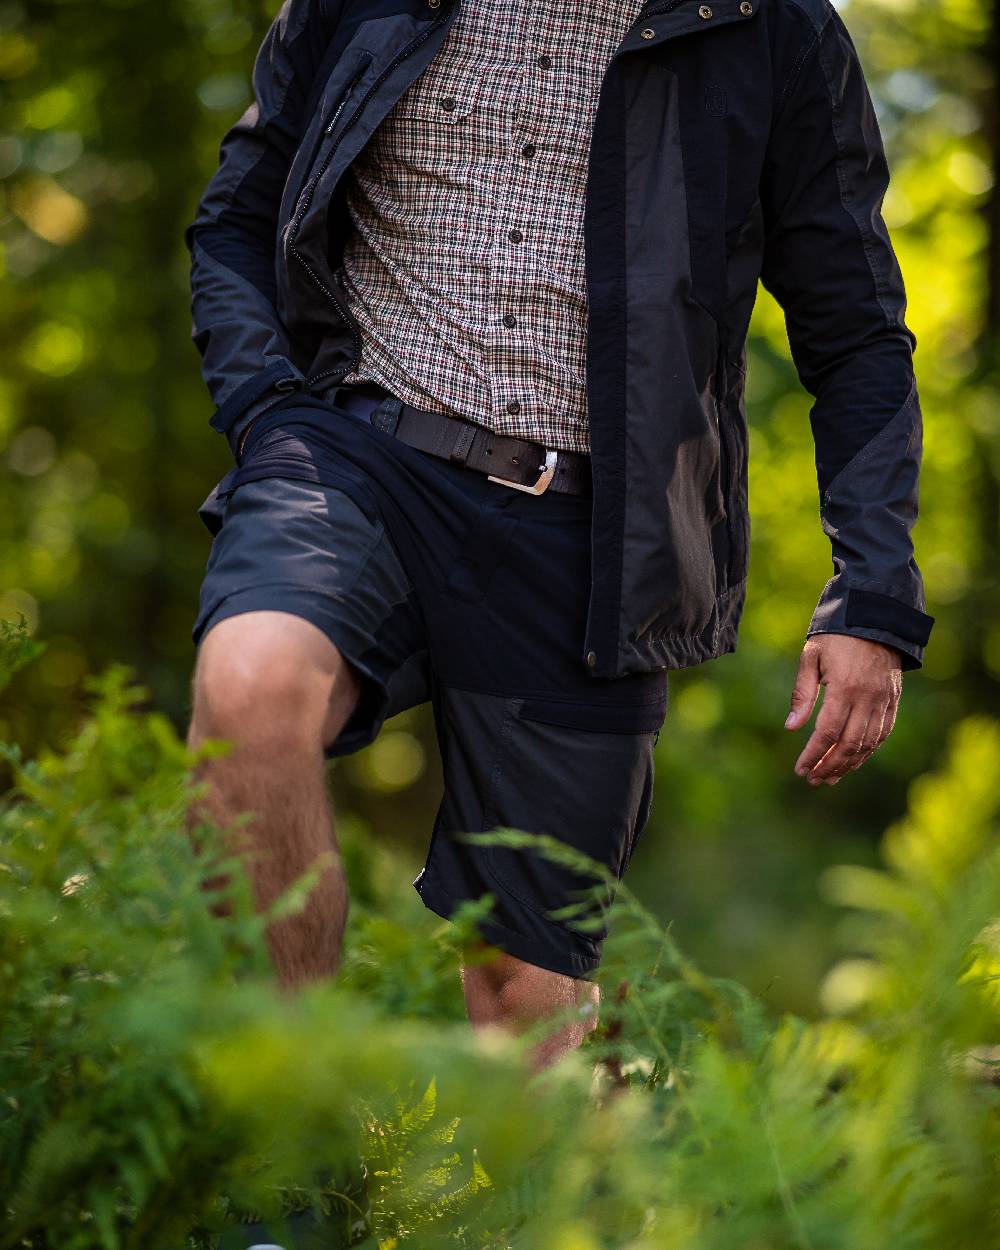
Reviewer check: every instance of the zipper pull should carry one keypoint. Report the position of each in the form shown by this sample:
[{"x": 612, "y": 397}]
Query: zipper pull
[{"x": 333, "y": 120}]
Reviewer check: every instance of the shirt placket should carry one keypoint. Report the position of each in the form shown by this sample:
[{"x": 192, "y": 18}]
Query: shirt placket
[{"x": 507, "y": 312}]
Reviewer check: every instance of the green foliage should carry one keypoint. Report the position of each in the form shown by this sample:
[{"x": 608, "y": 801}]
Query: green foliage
[
  {"x": 156, "y": 1088},
  {"x": 16, "y": 648}
]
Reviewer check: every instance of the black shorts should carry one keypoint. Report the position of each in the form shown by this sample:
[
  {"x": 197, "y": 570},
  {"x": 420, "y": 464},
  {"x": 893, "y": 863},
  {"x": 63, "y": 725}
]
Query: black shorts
[{"x": 439, "y": 585}]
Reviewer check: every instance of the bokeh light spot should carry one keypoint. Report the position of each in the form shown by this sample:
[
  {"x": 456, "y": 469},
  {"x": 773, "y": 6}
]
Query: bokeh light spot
[
  {"x": 698, "y": 706},
  {"x": 63, "y": 664},
  {"x": 969, "y": 173},
  {"x": 55, "y": 349},
  {"x": 50, "y": 108},
  {"x": 849, "y": 985},
  {"x": 108, "y": 518},
  {"x": 395, "y": 760},
  {"x": 17, "y": 54},
  {"x": 49, "y": 211},
  {"x": 32, "y": 452},
  {"x": 15, "y": 602}
]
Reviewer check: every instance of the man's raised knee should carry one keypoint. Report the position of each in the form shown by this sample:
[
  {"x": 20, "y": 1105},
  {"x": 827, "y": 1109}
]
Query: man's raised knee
[{"x": 270, "y": 676}]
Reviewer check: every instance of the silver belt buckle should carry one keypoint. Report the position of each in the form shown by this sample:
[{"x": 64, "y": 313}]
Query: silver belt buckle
[{"x": 547, "y": 472}]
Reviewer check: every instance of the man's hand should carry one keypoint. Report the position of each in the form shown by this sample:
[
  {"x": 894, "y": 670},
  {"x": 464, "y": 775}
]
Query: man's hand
[{"x": 864, "y": 681}]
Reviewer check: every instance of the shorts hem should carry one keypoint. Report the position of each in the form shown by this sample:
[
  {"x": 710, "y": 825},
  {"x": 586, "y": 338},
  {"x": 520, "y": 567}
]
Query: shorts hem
[{"x": 581, "y": 967}]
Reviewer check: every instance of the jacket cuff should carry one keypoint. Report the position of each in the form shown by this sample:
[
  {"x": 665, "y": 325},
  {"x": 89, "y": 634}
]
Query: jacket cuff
[
  {"x": 255, "y": 395},
  {"x": 267, "y": 403},
  {"x": 867, "y": 612}
]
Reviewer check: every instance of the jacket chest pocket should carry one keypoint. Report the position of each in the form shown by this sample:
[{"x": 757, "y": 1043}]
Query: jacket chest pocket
[{"x": 344, "y": 97}]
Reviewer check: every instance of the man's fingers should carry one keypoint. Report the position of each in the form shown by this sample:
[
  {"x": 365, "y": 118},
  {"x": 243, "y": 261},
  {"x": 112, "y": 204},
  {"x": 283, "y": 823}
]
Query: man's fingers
[
  {"x": 865, "y": 726},
  {"x": 806, "y": 688},
  {"x": 847, "y": 751},
  {"x": 892, "y": 707},
  {"x": 829, "y": 726},
  {"x": 875, "y": 735}
]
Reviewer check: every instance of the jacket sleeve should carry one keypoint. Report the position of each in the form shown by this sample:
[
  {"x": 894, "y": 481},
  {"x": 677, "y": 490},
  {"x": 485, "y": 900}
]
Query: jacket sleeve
[
  {"x": 246, "y": 357},
  {"x": 829, "y": 263}
]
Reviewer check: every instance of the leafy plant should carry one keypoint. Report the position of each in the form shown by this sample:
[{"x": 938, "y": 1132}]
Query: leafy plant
[{"x": 156, "y": 1090}]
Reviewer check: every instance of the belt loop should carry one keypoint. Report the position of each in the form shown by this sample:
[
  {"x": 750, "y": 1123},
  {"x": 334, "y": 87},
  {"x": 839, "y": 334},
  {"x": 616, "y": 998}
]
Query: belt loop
[
  {"x": 385, "y": 416},
  {"x": 463, "y": 443}
]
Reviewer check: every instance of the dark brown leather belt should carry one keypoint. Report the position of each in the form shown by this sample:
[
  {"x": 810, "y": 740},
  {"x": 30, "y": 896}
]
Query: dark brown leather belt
[{"x": 516, "y": 462}]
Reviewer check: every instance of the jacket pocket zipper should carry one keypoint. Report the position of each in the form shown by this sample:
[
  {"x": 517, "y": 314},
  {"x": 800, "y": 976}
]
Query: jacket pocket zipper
[{"x": 348, "y": 90}]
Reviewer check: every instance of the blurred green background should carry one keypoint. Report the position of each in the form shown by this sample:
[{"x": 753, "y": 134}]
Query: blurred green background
[{"x": 110, "y": 120}]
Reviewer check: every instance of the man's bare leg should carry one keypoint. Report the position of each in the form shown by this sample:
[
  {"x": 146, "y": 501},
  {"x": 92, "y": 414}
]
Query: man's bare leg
[
  {"x": 510, "y": 994},
  {"x": 276, "y": 687}
]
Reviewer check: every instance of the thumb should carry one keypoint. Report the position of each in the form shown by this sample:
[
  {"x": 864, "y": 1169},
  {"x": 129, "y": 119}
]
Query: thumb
[{"x": 806, "y": 689}]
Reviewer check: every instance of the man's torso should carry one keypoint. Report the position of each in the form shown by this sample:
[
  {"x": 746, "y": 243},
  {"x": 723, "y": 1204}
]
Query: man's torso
[{"x": 466, "y": 269}]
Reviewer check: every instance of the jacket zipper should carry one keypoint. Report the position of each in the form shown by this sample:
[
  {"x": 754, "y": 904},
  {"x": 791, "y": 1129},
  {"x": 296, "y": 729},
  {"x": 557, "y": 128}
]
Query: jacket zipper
[{"x": 307, "y": 196}]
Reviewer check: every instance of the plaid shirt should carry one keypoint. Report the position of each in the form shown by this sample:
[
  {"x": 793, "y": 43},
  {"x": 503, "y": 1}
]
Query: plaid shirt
[{"x": 465, "y": 271}]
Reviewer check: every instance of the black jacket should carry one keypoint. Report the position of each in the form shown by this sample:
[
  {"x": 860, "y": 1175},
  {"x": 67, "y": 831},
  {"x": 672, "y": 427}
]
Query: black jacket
[{"x": 734, "y": 140}]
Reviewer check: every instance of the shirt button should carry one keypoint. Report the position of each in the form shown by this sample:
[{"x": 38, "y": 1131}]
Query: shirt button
[
  {"x": 528, "y": 150},
  {"x": 513, "y": 407},
  {"x": 591, "y": 659},
  {"x": 515, "y": 236},
  {"x": 545, "y": 62},
  {"x": 448, "y": 104},
  {"x": 509, "y": 320}
]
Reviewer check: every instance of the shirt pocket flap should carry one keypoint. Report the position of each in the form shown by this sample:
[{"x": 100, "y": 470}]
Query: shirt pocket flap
[{"x": 440, "y": 101}]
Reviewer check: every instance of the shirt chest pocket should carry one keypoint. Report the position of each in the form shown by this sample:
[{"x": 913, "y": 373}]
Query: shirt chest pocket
[{"x": 440, "y": 101}]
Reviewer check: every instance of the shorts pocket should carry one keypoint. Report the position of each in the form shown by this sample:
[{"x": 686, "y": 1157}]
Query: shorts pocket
[
  {"x": 213, "y": 510},
  {"x": 583, "y": 774}
]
